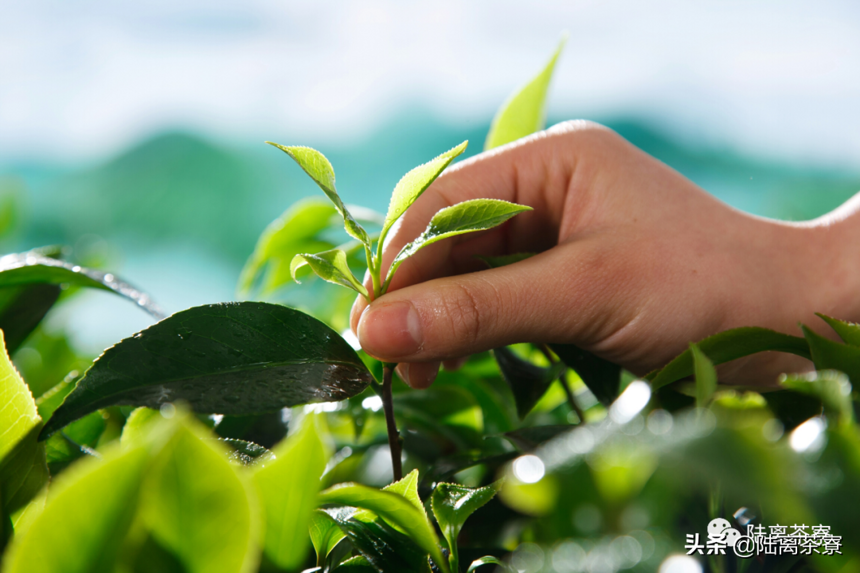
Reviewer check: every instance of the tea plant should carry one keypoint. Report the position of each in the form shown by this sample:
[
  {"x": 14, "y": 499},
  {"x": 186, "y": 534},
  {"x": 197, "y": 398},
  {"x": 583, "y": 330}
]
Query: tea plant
[{"x": 246, "y": 436}]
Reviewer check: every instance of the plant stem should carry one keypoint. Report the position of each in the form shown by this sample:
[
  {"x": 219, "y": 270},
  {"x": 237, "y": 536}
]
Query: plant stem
[
  {"x": 562, "y": 379},
  {"x": 388, "y": 407}
]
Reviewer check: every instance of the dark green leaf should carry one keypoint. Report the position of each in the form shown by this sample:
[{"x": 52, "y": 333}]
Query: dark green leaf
[
  {"x": 528, "y": 382},
  {"x": 320, "y": 170},
  {"x": 447, "y": 411},
  {"x": 849, "y": 332},
  {"x": 600, "y": 376},
  {"x": 386, "y": 549},
  {"x": 35, "y": 268},
  {"x": 197, "y": 506},
  {"x": 89, "y": 511},
  {"x": 792, "y": 408},
  {"x": 706, "y": 376},
  {"x": 289, "y": 496},
  {"x": 525, "y": 111},
  {"x": 452, "y": 505},
  {"x": 503, "y": 260},
  {"x": 414, "y": 183},
  {"x": 357, "y": 564},
  {"x": 22, "y": 308},
  {"x": 729, "y": 345},
  {"x": 231, "y": 358},
  {"x": 392, "y": 507},
  {"x": 830, "y": 355},
  {"x": 330, "y": 266},
  {"x": 465, "y": 217},
  {"x": 246, "y": 453}
]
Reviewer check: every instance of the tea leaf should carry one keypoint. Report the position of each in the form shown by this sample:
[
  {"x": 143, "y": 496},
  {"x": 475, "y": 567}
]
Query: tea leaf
[
  {"x": 706, "y": 376},
  {"x": 414, "y": 183},
  {"x": 729, "y": 345},
  {"x": 357, "y": 564},
  {"x": 296, "y": 231},
  {"x": 830, "y": 387},
  {"x": 391, "y": 507},
  {"x": 465, "y": 217},
  {"x": 289, "y": 496},
  {"x": 81, "y": 528},
  {"x": 384, "y": 548},
  {"x": 22, "y": 459},
  {"x": 35, "y": 268},
  {"x": 830, "y": 355},
  {"x": 524, "y": 112},
  {"x": 197, "y": 506},
  {"x": 22, "y": 308},
  {"x": 528, "y": 382},
  {"x": 330, "y": 266},
  {"x": 489, "y": 560},
  {"x": 452, "y": 505},
  {"x": 600, "y": 376},
  {"x": 325, "y": 534},
  {"x": 230, "y": 358},
  {"x": 849, "y": 332},
  {"x": 320, "y": 170}
]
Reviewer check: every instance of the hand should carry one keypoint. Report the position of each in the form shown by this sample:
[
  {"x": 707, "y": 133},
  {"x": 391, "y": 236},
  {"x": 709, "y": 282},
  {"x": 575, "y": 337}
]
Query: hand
[{"x": 635, "y": 261}]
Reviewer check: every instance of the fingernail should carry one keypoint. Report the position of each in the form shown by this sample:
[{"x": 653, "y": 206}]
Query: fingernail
[{"x": 390, "y": 330}]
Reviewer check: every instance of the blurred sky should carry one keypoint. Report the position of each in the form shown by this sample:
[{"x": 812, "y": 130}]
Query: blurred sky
[
  {"x": 80, "y": 79},
  {"x": 82, "y": 82}
]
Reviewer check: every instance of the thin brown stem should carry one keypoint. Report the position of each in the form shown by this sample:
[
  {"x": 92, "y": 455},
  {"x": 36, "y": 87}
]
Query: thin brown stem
[
  {"x": 388, "y": 407},
  {"x": 562, "y": 379}
]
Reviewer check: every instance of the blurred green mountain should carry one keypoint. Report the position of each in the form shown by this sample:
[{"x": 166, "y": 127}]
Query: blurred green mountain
[{"x": 183, "y": 188}]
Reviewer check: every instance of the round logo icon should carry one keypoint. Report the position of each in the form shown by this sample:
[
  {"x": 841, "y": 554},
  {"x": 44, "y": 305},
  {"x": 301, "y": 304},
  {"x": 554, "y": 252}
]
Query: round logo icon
[{"x": 718, "y": 527}]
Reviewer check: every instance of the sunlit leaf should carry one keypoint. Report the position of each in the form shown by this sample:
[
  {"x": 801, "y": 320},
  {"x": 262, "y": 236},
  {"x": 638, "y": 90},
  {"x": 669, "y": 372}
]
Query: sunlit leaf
[
  {"x": 22, "y": 459},
  {"x": 231, "y": 358},
  {"x": 320, "y": 170},
  {"x": 357, "y": 564},
  {"x": 488, "y": 560},
  {"x": 414, "y": 183},
  {"x": 465, "y": 217},
  {"x": 706, "y": 376},
  {"x": 729, "y": 345},
  {"x": 89, "y": 510},
  {"x": 602, "y": 377},
  {"x": 452, "y": 505},
  {"x": 330, "y": 266},
  {"x": 34, "y": 268},
  {"x": 393, "y": 508},
  {"x": 325, "y": 533},
  {"x": 289, "y": 496},
  {"x": 197, "y": 506},
  {"x": 849, "y": 332},
  {"x": 524, "y": 112},
  {"x": 528, "y": 382}
]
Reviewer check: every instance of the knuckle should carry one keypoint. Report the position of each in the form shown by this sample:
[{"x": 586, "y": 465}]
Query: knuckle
[{"x": 464, "y": 313}]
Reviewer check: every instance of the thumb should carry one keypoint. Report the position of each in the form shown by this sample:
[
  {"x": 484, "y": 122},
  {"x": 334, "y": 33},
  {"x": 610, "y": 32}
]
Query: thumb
[{"x": 551, "y": 297}]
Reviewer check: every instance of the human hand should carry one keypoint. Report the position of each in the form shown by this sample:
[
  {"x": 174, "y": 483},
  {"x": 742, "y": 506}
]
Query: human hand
[{"x": 634, "y": 262}]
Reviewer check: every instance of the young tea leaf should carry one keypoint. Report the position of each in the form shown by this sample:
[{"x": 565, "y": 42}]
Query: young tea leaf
[
  {"x": 465, "y": 217},
  {"x": 830, "y": 355},
  {"x": 325, "y": 534},
  {"x": 384, "y": 548},
  {"x": 22, "y": 308},
  {"x": 357, "y": 564},
  {"x": 849, "y": 332},
  {"x": 393, "y": 508},
  {"x": 34, "y": 268},
  {"x": 289, "y": 496},
  {"x": 452, "y": 505},
  {"x": 414, "y": 183},
  {"x": 706, "y": 376},
  {"x": 525, "y": 111},
  {"x": 198, "y": 507},
  {"x": 230, "y": 358},
  {"x": 82, "y": 526},
  {"x": 330, "y": 266},
  {"x": 729, "y": 345},
  {"x": 320, "y": 170},
  {"x": 489, "y": 560}
]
